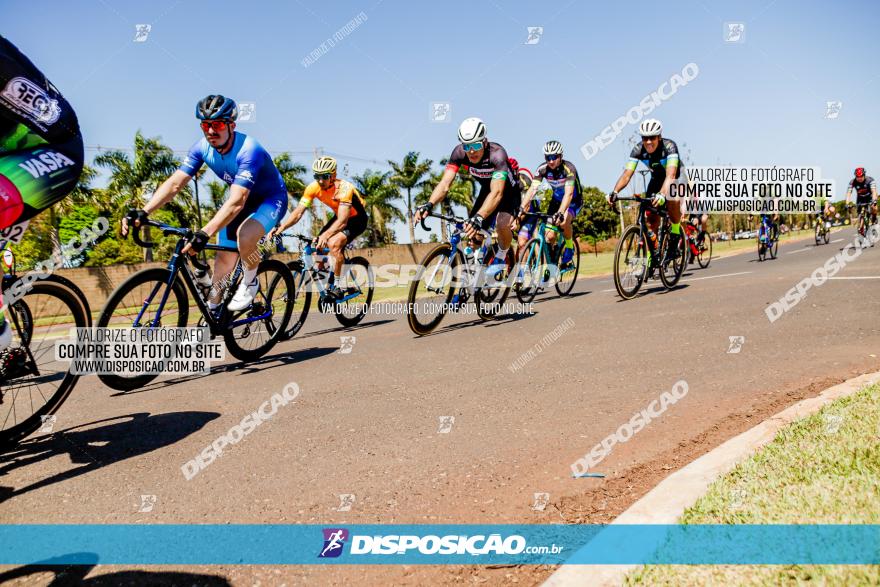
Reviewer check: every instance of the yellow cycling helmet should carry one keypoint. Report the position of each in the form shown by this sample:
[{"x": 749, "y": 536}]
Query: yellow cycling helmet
[{"x": 324, "y": 165}]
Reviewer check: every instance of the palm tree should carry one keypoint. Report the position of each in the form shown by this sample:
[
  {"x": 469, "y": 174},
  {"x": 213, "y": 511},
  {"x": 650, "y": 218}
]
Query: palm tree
[
  {"x": 380, "y": 195},
  {"x": 81, "y": 194},
  {"x": 461, "y": 193},
  {"x": 132, "y": 179},
  {"x": 409, "y": 174}
]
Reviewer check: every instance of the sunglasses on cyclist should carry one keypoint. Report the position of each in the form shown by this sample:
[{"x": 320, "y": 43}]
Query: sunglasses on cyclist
[
  {"x": 215, "y": 125},
  {"x": 472, "y": 146},
  {"x": 551, "y": 157},
  {"x": 323, "y": 176}
]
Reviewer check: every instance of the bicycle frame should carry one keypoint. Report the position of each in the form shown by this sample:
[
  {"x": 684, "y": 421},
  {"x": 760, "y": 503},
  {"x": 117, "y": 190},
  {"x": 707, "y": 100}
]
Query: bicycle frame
[
  {"x": 455, "y": 238},
  {"x": 307, "y": 268},
  {"x": 765, "y": 231},
  {"x": 645, "y": 206},
  {"x": 178, "y": 266}
]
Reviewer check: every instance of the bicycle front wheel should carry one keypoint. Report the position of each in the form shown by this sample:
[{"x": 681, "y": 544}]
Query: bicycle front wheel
[
  {"x": 136, "y": 304},
  {"x": 302, "y": 299},
  {"x": 672, "y": 263},
  {"x": 705, "y": 240},
  {"x": 34, "y": 384},
  {"x": 251, "y": 333},
  {"x": 630, "y": 263},
  {"x": 530, "y": 271},
  {"x": 433, "y": 288},
  {"x": 358, "y": 293},
  {"x": 568, "y": 275}
]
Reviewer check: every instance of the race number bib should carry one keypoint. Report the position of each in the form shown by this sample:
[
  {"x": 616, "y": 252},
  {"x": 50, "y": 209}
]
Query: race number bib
[{"x": 12, "y": 234}]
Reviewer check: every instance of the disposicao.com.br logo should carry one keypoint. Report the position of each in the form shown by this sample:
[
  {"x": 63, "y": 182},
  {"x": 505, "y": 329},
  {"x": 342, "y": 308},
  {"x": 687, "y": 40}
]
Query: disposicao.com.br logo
[{"x": 411, "y": 544}]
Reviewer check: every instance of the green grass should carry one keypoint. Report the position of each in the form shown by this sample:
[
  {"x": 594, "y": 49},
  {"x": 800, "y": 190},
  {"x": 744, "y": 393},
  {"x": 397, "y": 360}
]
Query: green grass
[{"x": 824, "y": 469}]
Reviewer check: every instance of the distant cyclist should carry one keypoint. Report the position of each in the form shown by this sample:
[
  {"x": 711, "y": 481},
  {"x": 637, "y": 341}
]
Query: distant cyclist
[
  {"x": 256, "y": 202},
  {"x": 499, "y": 197},
  {"x": 562, "y": 176},
  {"x": 349, "y": 216},
  {"x": 41, "y": 147},
  {"x": 866, "y": 193},
  {"x": 526, "y": 224},
  {"x": 660, "y": 155}
]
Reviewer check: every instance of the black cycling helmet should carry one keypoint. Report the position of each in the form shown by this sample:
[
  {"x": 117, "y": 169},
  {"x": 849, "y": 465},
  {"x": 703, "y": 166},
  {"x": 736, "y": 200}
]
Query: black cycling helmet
[{"x": 216, "y": 107}]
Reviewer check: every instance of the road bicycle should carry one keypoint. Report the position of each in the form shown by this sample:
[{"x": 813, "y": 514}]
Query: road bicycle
[
  {"x": 540, "y": 262},
  {"x": 451, "y": 274},
  {"x": 823, "y": 230},
  {"x": 158, "y": 298},
  {"x": 699, "y": 244},
  {"x": 639, "y": 252},
  {"x": 768, "y": 239},
  {"x": 40, "y": 309},
  {"x": 309, "y": 276},
  {"x": 864, "y": 220}
]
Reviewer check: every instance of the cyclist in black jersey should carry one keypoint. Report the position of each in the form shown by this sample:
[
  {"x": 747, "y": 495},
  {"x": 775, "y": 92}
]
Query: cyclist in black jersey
[
  {"x": 488, "y": 164},
  {"x": 562, "y": 176},
  {"x": 866, "y": 192},
  {"x": 41, "y": 146},
  {"x": 660, "y": 155}
]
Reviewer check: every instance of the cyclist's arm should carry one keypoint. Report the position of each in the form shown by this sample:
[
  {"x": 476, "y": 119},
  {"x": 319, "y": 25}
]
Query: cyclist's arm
[
  {"x": 567, "y": 196},
  {"x": 342, "y": 215},
  {"x": 442, "y": 188},
  {"x": 529, "y": 196},
  {"x": 229, "y": 210},
  {"x": 873, "y": 191},
  {"x": 166, "y": 192},
  {"x": 849, "y": 192},
  {"x": 624, "y": 179},
  {"x": 292, "y": 218},
  {"x": 671, "y": 170}
]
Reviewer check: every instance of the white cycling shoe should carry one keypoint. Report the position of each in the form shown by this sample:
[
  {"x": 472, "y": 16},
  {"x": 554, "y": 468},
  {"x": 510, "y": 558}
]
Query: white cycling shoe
[{"x": 244, "y": 297}]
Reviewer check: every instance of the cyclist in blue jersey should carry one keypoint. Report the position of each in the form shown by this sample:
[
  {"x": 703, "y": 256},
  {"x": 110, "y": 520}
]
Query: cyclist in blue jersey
[
  {"x": 256, "y": 203},
  {"x": 562, "y": 176}
]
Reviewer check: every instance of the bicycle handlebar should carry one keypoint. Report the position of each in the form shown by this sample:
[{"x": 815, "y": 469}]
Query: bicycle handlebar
[{"x": 166, "y": 229}]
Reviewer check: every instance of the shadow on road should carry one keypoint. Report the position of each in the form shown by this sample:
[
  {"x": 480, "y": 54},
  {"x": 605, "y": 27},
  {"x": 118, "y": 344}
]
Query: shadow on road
[
  {"x": 63, "y": 575},
  {"x": 340, "y": 328},
  {"x": 268, "y": 362},
  {"x": 98, "y": 444}
]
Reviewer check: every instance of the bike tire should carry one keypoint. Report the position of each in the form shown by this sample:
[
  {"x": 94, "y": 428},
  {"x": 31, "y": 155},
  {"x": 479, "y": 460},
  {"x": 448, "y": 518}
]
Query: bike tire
[
  {"x": 70, "y": 296},
  {"x": 774, "y": 248},
  {"x": 275, "y": 330},
  {"x": 531, "y": 263},
  {"x": 489, "y": 300},
  {"x": 423, "y": 327},
  {"x": 627, "y": 284},
  {"x": 705, "y": 256},
  {"x": 670, "y": 280},
  {"x": 302, "y": 299},
  {"x": 818, "y": 236},
  {"x": 563, "y": 288},
  {"x": 355, "y": 319},
  {"x": 156, "y": 278}
]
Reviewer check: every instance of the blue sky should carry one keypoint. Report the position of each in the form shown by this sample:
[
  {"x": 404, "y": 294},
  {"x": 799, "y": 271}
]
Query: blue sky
[{"x": 760, "y": 102}]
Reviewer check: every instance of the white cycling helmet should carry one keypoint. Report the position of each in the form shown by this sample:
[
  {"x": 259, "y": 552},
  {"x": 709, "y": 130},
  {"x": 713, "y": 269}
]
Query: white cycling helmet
[
  {"x": 650, "y": 128},
  {"x": 471, "y": 130},
  {"x": 553, "y": 148}
]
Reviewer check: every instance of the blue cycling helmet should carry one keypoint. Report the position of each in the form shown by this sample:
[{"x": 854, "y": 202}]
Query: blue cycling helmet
[{"x": 216, "y": 107}]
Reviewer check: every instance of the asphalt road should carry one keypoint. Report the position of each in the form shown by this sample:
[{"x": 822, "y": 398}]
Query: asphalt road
[{"x": 374, "y": 422}]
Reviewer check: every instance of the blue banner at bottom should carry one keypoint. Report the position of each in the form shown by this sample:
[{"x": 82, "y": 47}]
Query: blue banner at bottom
[{"x": 439, "y": 544}]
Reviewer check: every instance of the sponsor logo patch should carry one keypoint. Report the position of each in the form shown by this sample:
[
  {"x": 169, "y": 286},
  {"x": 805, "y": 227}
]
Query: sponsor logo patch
[{"x": 29, "y": 98}]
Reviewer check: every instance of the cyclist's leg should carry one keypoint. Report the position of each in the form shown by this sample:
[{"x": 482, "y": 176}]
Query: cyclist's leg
[
  {"x": 568, "y": 252},
  {"x": 549, "y": 233},
  {"x": 355, "y": 226},
  {"x": 510, "y": 199}
]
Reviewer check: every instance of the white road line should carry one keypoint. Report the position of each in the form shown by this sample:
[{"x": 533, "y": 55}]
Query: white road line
[
  {"x": 798, "y": 251},
  {"x": 840, "y": 240},
  {"x": 716, "y": 276},
  {"x": 858, "y": 277}
]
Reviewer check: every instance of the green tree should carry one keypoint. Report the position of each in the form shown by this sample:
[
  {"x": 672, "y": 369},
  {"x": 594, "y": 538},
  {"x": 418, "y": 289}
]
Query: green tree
[
  {"x": 408, "y": 175},
  {"x": 380, "y": 195},
  {"x": 461, "y": 193},
  {"x": 134, "y": 179},
  {"x": 596, "y": 221}
]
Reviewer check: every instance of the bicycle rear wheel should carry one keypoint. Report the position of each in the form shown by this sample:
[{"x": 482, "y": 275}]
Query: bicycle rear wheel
[
  {"x": 630, "y": 263},
  {"x": 568, "y": 276},
  {"x": 134, "y": 304},
  {"x": 531, "y": 268},
  {"x": 252, "y": 332},
  {"x": 34, "y": 384},
  {"x": 671, "y": 269},
  {"x": 438, "y": 278},
  {"x": 491, "y": 296},
  {"x": 360, "y": 280},
  {"x": 705, "y": 256}
]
